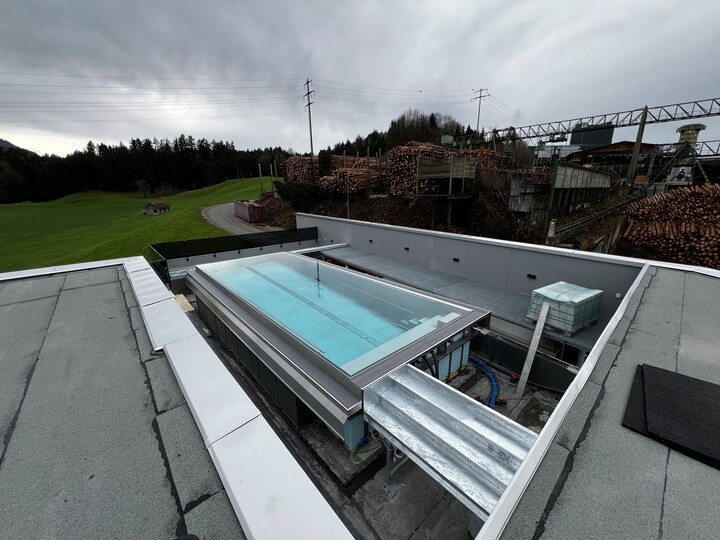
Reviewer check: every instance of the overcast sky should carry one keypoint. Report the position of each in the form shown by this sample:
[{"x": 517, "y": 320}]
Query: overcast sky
[{"x": 77, "y": 70}]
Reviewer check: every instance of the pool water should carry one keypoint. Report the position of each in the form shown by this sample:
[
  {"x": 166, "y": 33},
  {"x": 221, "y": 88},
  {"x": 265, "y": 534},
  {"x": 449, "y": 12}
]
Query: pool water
[{"x": 349, "y": 319}]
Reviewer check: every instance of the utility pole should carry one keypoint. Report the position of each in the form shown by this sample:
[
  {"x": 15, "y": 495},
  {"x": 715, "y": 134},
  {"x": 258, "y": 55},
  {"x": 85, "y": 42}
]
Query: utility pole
[
  {"x": 307, "y": 95},
  {"x": 479, "y": 98}
]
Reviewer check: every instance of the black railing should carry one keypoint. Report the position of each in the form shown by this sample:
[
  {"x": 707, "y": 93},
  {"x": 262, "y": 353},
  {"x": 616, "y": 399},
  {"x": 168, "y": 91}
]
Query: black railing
[{"x": 221, "y": 244}]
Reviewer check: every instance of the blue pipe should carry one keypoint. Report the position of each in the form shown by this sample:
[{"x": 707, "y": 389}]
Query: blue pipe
[{"x": 495, "y": 388}]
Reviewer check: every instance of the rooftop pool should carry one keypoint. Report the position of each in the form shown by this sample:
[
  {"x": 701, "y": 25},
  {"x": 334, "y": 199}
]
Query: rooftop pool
[{"x": 351, "y": 320}]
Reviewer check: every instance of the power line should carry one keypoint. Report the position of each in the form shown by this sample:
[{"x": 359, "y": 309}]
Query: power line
[
  {"x": 502, "y": 113},
  {"x": 146, "y": 109},
  {"x": 126, "y": 87},
  {"x": 223, "y": 91},
  {"x": 53, "y": 107},
  {"x": 390, "y": 89},
  {"x": 154, "y": 119},
  {"x": 398, "y": 93},
  {"x": 504, "y": 109},
  {"x": 144, "y": 78}
]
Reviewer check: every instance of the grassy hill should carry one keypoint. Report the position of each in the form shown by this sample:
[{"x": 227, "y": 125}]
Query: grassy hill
[{"x": 100, "y": 225}]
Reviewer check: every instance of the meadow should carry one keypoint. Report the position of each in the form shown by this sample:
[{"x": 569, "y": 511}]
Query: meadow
[{"x": 98, "y": 225}]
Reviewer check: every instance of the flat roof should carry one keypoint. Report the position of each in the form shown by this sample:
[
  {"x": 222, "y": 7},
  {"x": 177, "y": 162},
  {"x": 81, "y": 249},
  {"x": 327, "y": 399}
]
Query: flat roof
[
  {"x": 98, "y": 439},
  {"x": 598, "y": 479}
]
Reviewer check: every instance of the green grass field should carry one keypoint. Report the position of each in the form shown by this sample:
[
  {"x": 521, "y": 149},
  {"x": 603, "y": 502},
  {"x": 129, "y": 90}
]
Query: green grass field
[{"x": 99, "y": 225}]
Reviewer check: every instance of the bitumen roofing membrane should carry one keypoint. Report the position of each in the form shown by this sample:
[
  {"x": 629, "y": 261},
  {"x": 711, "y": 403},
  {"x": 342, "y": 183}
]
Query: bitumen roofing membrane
[
  {"x": 601, "y": 480},
  {"x": 97, "y": 440}
]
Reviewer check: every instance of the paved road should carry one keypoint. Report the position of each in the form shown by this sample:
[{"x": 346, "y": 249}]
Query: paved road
[{"x": 223, "y": 216}]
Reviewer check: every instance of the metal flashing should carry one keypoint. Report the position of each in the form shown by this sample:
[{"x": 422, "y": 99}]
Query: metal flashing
[
  {"x": 302, "y": 251},
  {"x": 216, "y": 400},
  {"x": 49, "y": 270},
  {"x": 135, "y": 264},
  {"x": 166, "y": 322},
  {"x": 148, "y": 288},
  {"x": 272, "y": 496}
]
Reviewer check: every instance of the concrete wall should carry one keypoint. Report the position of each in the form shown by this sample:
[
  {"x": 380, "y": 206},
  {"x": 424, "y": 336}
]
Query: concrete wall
[
  {"x": 574, "y": 177},
  {"x": 509, "y": 265}
]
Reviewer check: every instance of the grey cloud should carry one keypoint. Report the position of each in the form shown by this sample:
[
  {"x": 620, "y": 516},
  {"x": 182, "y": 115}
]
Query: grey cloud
[{"x": 549, "y": 61}]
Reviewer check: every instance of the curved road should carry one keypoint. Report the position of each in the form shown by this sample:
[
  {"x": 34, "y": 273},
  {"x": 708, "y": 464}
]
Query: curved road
[{"x": 223, "y": 217}]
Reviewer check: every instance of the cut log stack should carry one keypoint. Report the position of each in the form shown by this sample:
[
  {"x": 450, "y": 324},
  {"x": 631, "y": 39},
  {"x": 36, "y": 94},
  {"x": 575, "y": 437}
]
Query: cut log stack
[
  {"x": 682, "y": 226},
  {"x": 402, "y": 165},
  {"x": 349, "y": 179},
  {"x": 352, "y": 174},
  {"x": 300, "y": 169},
  {"x": 486, "y": 158}
]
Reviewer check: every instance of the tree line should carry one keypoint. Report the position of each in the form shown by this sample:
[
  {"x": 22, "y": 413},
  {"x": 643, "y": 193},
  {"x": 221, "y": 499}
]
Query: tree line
[
  {"x": 142, "y": 165},
  {"x": 412, "y": 125},
  {"x": 183, "y": 162}
]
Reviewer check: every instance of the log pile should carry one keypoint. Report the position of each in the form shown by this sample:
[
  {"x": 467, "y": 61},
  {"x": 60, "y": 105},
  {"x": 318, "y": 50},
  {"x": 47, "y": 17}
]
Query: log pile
[
  {"x": 486, "y": 158},
  {"x": 682, "y": 226},
  {"x": 402, "y": 165},
  {"x": 349, "y": 179},
  {"x": 300, "y": 169},
  {"x": 352, "y": 162}
]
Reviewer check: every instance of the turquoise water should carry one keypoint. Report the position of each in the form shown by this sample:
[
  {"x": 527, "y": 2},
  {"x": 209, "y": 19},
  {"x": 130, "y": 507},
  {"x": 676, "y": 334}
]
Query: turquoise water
[
  {"x": 351, "y": 320},
  {"x": 334, "y": 325}
]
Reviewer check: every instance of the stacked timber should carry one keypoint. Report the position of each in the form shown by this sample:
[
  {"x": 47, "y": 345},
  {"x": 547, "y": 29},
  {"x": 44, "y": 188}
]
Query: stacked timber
[
  {"x": 402, "y": 165},
  {"x": 682, "y": 226},
  {"x": 300, "y": 169},
  {"x": 352, "y": 162},
  {"x": 350, "y": 179},
  {"x": 486, "y": 158}
]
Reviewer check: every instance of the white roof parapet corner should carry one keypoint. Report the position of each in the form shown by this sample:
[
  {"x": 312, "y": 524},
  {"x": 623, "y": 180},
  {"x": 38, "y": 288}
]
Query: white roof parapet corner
[{"x": 148, "y": 288}]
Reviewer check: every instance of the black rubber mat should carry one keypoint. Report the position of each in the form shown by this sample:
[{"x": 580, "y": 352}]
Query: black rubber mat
[
  {"x": 677, "y": 410},
  {"x": 635, "y": 409}
]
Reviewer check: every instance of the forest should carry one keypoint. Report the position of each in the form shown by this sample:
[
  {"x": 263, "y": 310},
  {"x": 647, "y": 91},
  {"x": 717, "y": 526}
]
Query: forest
[{"x": 181, "y": 163}]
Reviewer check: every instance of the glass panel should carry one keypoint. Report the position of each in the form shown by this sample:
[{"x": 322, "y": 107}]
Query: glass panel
[{"x": 350, "y": 319}]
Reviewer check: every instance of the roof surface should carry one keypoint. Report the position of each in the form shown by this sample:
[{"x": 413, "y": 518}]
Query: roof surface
[
  {"x": 98, "y": 441},
  {"x": 601, "y": 480}
]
